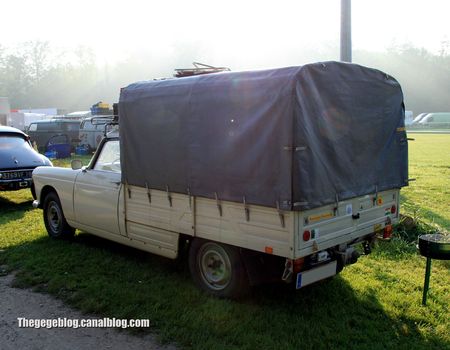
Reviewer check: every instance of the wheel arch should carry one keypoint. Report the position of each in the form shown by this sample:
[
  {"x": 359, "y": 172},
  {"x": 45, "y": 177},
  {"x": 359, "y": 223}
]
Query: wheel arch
[
  {"x": 44, "y": 192},
  {"x": 259, "y": 267},
  {"x": 238, "y": 286},
  {"x": 54, "y": 219}
]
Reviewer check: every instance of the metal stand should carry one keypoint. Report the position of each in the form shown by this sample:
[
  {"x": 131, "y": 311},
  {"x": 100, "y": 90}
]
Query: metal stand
[
  {"x": 427, "y": 281},
  {"x": 433, "y": 246}
]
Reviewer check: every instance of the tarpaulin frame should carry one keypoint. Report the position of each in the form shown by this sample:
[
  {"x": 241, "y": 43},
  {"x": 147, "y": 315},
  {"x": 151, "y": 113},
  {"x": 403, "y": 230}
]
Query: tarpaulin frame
[{"x": 180, "y": 132}]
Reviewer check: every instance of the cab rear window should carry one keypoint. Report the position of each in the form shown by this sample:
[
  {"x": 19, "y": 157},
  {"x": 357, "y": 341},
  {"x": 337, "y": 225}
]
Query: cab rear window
[
  {"x": 11, "y": 141},
  {"x": 47, "y": 127}
]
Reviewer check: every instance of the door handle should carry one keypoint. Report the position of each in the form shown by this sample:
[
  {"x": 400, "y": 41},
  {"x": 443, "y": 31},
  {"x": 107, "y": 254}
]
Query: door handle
[{"x": 356, "y": 216}]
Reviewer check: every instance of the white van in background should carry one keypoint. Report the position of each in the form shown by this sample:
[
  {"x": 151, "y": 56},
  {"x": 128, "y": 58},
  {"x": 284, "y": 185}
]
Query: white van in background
[
  {"x": 418, "y": 118},
  {"x": 436, "y": 120},
  {"x": 92, "y": 130}
]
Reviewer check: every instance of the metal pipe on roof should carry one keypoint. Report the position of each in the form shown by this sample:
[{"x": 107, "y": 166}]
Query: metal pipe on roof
[{"x": 346, "y": 31}]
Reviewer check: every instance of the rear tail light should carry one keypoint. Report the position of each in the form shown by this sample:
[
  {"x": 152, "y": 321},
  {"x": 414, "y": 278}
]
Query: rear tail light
[
  {"x": 393, "y": 209},
  {"x": 306, "y": 235},
  {"x": 387, "y": 233},
  {"x": 298, "y": 264}
]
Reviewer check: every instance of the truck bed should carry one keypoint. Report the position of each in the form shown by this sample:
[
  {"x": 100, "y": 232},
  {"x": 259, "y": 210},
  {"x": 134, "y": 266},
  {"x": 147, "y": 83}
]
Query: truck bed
[{"x": 154, "y": 219}]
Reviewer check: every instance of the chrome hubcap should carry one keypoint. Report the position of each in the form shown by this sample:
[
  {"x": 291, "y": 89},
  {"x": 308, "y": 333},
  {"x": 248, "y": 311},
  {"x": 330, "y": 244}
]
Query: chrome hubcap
[
  {"x": 215, "y": 266},
  {"x": 54, "y": 216}
]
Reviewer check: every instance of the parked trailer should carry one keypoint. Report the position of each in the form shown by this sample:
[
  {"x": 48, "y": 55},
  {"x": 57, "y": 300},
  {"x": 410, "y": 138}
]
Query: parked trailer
[{"x": 264, "y": 175}]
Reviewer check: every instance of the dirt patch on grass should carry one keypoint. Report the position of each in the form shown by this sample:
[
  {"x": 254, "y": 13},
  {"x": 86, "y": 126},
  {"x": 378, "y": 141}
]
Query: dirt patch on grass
[{"x": 15, "y": 303}]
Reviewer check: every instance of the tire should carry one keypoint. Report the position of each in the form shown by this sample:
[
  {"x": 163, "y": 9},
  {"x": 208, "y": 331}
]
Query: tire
[
  {"x": 218, "y": 269},
  {"x": 55, "y": 222}
]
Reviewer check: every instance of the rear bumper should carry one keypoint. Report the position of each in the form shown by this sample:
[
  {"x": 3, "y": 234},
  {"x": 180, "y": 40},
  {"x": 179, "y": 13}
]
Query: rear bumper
[
  {"x": 14, "y": 185},
  {"x": 349, "y": 237}
]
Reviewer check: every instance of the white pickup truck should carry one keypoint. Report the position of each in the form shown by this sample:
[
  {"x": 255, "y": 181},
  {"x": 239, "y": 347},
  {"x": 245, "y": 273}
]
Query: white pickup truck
[{"x": 234, "y": 244}]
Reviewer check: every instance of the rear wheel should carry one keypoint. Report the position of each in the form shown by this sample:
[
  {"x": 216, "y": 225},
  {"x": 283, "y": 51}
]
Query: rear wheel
[
  {"x": 218, "y": 269},
  {"x": 55, "y": 222}
]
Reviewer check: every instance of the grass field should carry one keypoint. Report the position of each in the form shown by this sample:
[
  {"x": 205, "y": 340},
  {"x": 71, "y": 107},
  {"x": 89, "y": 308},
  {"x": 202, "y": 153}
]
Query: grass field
[
  {"x": 429, "y": 163},
  {"x": 374, "y": 304}
]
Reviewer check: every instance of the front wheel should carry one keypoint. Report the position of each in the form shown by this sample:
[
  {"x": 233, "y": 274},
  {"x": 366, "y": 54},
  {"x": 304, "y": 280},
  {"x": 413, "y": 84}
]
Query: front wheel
[
  {"x": 218, "y": 269},
  {"x": 55, "y": 222}
]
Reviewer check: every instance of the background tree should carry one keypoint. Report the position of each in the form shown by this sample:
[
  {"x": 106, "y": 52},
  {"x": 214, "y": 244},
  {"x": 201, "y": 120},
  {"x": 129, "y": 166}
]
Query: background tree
[{"x": 36, "y": 75}]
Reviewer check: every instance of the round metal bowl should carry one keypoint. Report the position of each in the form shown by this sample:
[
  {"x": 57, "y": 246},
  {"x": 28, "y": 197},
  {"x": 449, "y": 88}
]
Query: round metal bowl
[{"x": 435, "y": 246}]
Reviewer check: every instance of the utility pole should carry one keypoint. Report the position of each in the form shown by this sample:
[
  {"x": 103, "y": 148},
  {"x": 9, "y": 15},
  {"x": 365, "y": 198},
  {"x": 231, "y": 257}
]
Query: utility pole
[{"x": 346, "y": 31}]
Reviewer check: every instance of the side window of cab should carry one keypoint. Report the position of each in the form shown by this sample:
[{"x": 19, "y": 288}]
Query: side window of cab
[{"x": 109, "y": 158}]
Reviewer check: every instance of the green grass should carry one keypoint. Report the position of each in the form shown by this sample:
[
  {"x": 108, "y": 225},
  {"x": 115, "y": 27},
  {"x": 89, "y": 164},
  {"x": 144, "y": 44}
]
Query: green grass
[
  {"x": 429, "y": 163},
  {"x": 374, "y": 304}
]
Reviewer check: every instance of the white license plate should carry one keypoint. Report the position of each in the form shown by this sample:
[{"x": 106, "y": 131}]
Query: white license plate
[{"x": 316, "y": 274}]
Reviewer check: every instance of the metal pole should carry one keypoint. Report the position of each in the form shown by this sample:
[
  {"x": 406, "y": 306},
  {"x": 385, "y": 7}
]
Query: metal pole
[
  {"x": 427, "y": 281},
  {"x": 346, "y": 31}
]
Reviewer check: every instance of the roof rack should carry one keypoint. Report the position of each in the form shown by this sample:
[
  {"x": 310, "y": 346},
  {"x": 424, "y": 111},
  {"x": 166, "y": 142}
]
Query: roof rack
[
  {"x": 108, "y": 120},
  {"x": 200, "y": 68},
  {"x": 103, "y": 119}
]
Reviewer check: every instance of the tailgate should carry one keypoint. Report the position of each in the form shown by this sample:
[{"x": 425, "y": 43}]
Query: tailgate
[{"x": 344, "y": 221}]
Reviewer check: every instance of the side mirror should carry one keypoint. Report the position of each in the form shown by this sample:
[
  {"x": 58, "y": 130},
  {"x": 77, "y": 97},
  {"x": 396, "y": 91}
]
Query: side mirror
[{"x": 76, "y": 164}]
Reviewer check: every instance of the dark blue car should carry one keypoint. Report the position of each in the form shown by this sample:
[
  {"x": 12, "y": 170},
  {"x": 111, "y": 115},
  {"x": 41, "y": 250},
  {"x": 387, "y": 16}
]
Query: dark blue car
[{"x": 17, "y": 160}]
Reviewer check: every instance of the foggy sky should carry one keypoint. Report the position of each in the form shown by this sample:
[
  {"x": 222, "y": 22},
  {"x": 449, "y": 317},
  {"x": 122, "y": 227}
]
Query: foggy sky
[{"x": 254, "y": 33}]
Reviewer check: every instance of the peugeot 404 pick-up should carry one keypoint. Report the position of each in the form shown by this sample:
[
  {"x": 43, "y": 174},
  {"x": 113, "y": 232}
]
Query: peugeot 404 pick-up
[{"x": 260, "y": 176}]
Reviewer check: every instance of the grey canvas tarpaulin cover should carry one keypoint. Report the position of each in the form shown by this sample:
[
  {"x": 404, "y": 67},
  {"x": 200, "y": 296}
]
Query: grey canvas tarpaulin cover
[{"x": 297, "y": 137}]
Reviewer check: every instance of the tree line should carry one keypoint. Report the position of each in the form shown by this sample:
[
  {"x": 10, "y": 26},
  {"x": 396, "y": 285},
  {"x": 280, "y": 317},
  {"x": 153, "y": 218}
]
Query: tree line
[{"x": 37, "y": 75}]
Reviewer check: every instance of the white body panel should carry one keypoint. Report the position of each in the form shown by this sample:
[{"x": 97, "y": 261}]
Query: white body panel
[
  {"x": 62, "y": 180},
  {"x": 353, "y": 218},
  {"x": 97, "y": 192},
  {"x": 262, "y": 232},
  {"x": 147, "y": 219},
  {"x": 200, "y": 217}
]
